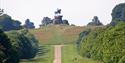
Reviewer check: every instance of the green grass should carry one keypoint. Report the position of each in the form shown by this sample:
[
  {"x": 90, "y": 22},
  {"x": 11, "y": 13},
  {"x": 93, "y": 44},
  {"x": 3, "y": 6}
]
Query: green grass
[
  {"x": 46, "y": 58},
  {"x": 69, "y": 55},
  {"x": 57, "y": 34}
]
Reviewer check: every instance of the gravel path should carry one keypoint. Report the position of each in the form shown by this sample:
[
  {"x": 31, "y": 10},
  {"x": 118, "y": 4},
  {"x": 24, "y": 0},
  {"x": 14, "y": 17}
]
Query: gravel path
[{"x": 57, "y": 54}]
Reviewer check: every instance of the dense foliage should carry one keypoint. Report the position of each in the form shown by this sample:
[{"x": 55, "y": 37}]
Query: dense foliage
[
  {"x": 8, "y": 53},
  {"x": 105, "y": 44},
  {"x": 25, "y": 43},
  {"x": 16, "y": 45},
  {"x": 118, "y": 14},
  {"x": 7, "y": 23},
  {"x": 95, "y": 22},
  {"x": 28, "y": 24}
]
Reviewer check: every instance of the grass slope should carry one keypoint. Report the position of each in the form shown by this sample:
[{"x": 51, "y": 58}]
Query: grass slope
[
  {"x": 46, "y": 58},
  {"x": 57, "y": 34}
]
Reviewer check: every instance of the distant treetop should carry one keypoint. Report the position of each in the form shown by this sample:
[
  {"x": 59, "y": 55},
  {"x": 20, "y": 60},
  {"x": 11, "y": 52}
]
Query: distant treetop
[
  {"x": 118, "y": 14},
  {"x": 95, "y": 22}
]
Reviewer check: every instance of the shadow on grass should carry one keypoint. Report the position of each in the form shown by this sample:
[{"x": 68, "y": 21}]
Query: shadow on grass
[{"x": 41, "y": 56}]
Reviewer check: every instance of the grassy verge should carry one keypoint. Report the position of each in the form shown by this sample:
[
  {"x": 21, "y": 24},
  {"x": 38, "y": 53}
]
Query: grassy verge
[
  {"x": 46, "y": 58},
  {"x": 70, "y": 55}
]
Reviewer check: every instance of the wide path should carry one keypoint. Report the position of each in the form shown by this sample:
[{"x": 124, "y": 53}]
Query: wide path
[{"x": 57, "y": 53}]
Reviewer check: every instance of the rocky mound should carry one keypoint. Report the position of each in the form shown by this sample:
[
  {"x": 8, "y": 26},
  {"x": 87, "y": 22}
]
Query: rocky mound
[{"x": 56, "y": 21}]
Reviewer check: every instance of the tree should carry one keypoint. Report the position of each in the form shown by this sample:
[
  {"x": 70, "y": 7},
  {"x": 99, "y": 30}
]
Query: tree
[
  {"x": 7, "y": 53},
  {"x": 26, "y": 43},
  {"x": 7, "y": 23},
  {"x": 28, "y": 24},
  {"x": 95, "y": 22},
  {"x": 118, "y": 14}
]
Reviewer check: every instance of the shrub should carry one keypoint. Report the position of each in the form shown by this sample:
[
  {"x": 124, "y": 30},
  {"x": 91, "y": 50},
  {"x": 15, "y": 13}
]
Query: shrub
[
  {"x": 25, "y": 43},
  {"x": 105, "y": 44},
  {"x": 8, "y": 54}
]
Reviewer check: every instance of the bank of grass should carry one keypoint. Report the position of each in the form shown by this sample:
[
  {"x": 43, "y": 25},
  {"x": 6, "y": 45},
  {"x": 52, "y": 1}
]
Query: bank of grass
[
  {"x": 70, "y": 55},
  {"x": 46, "y": 58},
  {"x": 57, "y": 34}
]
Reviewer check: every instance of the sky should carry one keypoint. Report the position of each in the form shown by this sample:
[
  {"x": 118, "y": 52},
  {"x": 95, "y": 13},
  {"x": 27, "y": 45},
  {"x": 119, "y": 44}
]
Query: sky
[{"x": 78, "y": 12}]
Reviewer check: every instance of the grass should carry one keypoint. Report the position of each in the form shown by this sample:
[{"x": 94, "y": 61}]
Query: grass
[
  {"x": 70, "y": 55},
  {"x": 52, "y": 35},
  {"x": 46, "y": 58}
]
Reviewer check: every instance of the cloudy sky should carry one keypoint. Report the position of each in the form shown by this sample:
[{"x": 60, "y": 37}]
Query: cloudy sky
[{"x": 78, "y": 12}]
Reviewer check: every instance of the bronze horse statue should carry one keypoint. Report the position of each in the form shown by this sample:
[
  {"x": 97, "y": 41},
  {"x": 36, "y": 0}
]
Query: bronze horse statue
[{"x": 58, "y": 11}]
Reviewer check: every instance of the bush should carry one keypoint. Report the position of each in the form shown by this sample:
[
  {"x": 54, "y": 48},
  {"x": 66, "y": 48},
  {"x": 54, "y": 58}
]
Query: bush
[
  {"x": 88, "y": 42},
  {"x": 105, "y": 44},
  {"x": 8, "y": 54},
  {"x": 25, "y": 43}
]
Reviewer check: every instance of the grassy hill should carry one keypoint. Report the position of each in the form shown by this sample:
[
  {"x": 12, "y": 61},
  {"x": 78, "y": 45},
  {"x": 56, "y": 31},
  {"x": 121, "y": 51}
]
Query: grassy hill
[{"x": 57, "y": 34}]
